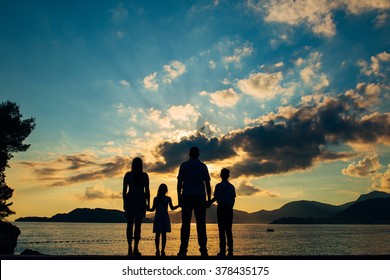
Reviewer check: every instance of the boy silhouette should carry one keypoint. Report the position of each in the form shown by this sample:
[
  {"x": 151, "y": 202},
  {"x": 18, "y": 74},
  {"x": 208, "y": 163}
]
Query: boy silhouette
[{"x": 225, "y": 196}]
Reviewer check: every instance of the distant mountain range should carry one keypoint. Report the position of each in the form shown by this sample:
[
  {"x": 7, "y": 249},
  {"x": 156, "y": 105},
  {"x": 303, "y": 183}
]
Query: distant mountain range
[
  {"x": 83, "y": 215},
  {"x": 371, "y": 208}
]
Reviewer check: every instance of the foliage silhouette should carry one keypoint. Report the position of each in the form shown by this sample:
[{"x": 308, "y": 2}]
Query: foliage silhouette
[{"x": 13, "y": 131}]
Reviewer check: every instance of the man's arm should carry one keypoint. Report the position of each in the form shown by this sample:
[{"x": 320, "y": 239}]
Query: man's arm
[
  {"x": 147, "y": 191},
  {"x": 179, "y": 191},
  {"x": 208, "y": 190}
]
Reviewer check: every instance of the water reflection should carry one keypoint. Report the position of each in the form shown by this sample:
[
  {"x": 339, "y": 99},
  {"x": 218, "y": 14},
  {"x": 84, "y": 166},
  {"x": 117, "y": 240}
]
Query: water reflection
[{"x": 295, "y": 240}]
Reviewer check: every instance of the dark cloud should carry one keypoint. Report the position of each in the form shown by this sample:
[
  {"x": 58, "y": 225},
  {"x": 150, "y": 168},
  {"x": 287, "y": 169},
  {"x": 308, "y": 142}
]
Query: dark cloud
[
  {"x": 103, "y": 170},
  {"x": 286, "y": 142},
  {"x": 78, "y": 161},
  {"x": 291, "y": 139},
  {"x": 244, "y": 189},
  {"x": 175, "y": 153},
  {"x": 77, "y": 168}
]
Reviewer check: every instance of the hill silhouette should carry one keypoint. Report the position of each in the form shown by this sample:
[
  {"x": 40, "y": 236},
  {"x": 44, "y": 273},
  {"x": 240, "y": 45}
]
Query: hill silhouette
[
  {"x": 298, "y": 209},
  {"x": 83, "y": 215},
  {"x": 368, "y": 208},
  {"x": 370, "y": 211}
]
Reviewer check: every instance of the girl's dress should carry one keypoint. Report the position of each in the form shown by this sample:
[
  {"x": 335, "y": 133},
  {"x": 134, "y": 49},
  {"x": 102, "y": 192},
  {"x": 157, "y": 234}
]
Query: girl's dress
[{"x": 161, "y": 222}]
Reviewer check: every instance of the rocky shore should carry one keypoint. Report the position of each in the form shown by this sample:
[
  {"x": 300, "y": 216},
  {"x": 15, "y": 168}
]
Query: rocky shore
[
  {"x": 9, "y": 234},
  {"x": 8, "y": 238}
]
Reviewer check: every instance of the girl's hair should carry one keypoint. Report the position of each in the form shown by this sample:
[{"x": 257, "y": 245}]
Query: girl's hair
[{"x": 162, "y": 190}]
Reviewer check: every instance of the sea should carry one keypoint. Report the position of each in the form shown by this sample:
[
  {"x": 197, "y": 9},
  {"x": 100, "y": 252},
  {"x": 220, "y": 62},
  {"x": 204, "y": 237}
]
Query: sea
[{"x": 107, "y": 239}]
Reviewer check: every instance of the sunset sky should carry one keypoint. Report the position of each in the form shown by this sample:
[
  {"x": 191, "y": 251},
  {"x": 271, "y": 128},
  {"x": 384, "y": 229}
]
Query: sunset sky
[{"x": 291, "y": 96}]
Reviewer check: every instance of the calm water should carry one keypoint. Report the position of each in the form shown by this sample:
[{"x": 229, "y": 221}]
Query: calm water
[{"x": 292, "y": 240}]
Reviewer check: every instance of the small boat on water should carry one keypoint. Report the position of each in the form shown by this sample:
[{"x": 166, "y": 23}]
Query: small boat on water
[{"x": 270, "y": 229}]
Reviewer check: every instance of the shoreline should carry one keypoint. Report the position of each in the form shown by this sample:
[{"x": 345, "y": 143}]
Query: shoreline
[{"x": 213, "y": 258}]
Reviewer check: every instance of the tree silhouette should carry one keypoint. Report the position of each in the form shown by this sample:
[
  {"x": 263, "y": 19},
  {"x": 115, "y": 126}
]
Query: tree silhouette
[{"x": 13, "y": 131}]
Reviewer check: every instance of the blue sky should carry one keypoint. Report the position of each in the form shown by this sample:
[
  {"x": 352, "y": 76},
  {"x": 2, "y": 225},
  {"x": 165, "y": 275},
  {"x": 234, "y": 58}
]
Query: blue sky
[{"x": 292, "y": 96}]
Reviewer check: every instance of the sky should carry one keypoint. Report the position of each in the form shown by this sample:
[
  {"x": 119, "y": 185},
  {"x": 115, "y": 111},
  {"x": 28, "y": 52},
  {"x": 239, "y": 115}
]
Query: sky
[{"x": 291, "y": 96}]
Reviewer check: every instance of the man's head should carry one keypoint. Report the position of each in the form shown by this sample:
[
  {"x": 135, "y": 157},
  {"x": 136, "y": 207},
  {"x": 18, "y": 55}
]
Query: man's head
[{"x": 194, "y": 152}]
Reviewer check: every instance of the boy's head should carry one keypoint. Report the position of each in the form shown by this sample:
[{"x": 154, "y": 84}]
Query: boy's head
[
  {"x": 194, "y": 152},
  {"x": 225, "y": 173}
]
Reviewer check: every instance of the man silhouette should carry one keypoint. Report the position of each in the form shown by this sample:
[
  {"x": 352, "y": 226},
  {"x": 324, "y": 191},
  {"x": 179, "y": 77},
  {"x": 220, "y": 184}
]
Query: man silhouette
[{"x": 193, "y": 184}]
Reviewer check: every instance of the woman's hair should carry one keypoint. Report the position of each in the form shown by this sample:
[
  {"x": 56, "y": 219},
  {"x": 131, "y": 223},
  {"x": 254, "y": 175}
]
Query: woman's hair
[
  {"x": 136, "y": 165},
  {"x": 162, "y": 190},
  {"x": 137, "y": 170}
]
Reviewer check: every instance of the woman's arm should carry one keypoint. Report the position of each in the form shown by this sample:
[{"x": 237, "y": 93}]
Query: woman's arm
[
  {"x": 124, "y": 192},
  {"x": 147, "y": 190}
]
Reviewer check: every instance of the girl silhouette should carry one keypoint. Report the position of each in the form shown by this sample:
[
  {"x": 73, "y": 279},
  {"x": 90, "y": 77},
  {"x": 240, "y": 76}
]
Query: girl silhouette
[
  {"x": 162, "y": 224},
  {"x": 136, "y": 199}
]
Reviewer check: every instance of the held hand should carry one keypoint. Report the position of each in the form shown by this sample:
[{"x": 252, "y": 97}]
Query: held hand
[{"x": 179, "y": 202}]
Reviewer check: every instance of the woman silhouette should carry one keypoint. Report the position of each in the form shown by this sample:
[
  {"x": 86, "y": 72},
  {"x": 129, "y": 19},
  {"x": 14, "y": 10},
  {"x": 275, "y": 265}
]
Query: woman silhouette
[{"x": 136, "y": 199}]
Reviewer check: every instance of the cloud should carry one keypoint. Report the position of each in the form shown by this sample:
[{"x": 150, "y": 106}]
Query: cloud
[
  {"x": 100, "y": 192},
  {"x": 175, "y": 117},
  {"x": 150, "y": 82},
  {"x": 107, "y": 169},
  {"x": 239, "y": 53},
  {"x": 318, "y": 16},
  {"x": 297, "y": 140},
  {"x": 124, "y": 83},
  {"x": 292, "y": 139},
  {"x": 156, "y": 117},
  {"x": 184, "y": 114},
  {"x": 131, "y": 132},
  {"x": 223, "y": 98},
  {"x": 369, "y": 167},
  {"x": 262, "y": 85},
  {"x": 174, "y": 153},
  {"x": 366, "y": 167},
  {"x": 173, "y": 71},
  {"x": 212, "y": 64},
  {"x": 68, "y": 170},
  {"x": 376, "y": 65},
  {"x": 310, "y": 73},
  {"x": 78, "y": 161},
  {"x": 307, "y": 74},
  {"x": 366, "y": 95},
  {"x": 359, "y": 7},
  {"x": 245, "y": 189},
  {"x": 381, "y": 20},
  {"x": 382, "y": 180}
]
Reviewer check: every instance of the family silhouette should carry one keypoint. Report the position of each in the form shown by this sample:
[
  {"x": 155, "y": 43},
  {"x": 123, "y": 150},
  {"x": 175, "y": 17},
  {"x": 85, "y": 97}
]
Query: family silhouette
[{"x": 194, "y": 196}]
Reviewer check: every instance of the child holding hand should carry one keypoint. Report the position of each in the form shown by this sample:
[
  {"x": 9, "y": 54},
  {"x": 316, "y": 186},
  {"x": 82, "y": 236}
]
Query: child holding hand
[
  {"x": 225, "y": 195},
  {"x": 162, "y": 223}
]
